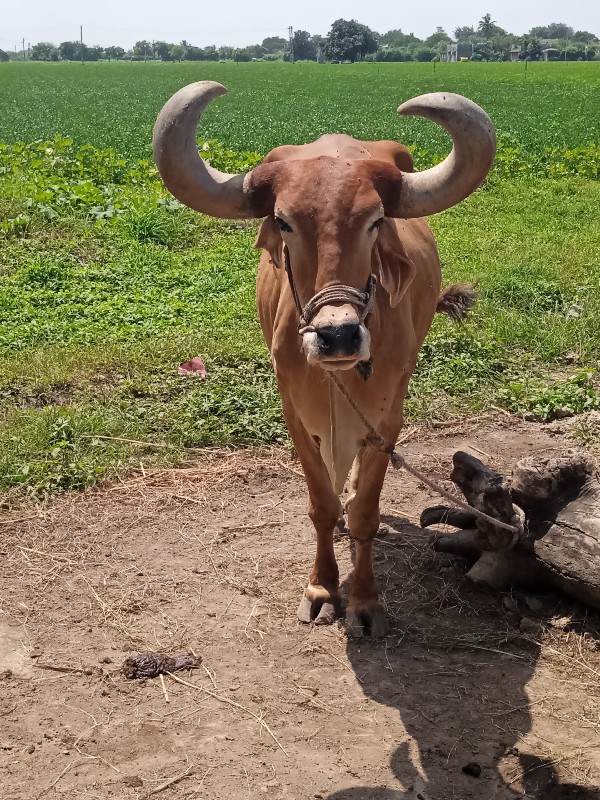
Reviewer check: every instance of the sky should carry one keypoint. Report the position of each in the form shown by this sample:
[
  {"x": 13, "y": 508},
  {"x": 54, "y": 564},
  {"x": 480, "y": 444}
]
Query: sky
[{"x": 243, "y": 22}]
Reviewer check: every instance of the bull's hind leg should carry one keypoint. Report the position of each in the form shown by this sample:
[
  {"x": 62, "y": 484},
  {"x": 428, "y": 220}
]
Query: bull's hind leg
[
  {"x": 321, "y": 596},
  {"x": 365, "y": 614}
]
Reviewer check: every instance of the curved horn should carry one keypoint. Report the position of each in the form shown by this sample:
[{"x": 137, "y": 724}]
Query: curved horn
[
  {"x": 186, "y": 175},
  {"x": 446, "y": 184}
]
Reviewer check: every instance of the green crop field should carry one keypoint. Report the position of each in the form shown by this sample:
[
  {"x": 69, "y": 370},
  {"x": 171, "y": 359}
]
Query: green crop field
[
  {"x": 115, "y": 104},
  {"x": 106, "y": 283}
]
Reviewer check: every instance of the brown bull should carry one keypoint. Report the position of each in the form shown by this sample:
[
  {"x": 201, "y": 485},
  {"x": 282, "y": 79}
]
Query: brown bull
[{"x": 337, "y": 212}]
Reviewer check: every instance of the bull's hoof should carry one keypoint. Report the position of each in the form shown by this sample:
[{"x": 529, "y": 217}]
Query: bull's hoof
[
  {"x": 319, "y": 611},
  {"x": 366, "y": 622}
]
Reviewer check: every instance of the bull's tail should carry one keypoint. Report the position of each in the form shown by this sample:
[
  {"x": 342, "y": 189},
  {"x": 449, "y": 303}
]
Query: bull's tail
[{"x": 456, "y": 300}]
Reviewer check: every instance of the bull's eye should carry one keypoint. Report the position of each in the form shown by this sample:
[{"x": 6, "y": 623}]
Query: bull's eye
[
  {"x": 376, "y": 224},
  {"x": 283, "y": 225}
]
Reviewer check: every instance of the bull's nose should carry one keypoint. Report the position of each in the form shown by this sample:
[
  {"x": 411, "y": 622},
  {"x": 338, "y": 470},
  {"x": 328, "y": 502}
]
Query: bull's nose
[{"x": 339, "y": 340}]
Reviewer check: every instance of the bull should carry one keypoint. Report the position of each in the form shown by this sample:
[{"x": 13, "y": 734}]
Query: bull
[{"x": 341, "y": 216}]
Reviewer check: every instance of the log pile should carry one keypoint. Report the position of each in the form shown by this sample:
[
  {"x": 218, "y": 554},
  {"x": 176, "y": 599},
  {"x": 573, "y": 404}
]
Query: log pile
[{"x": 555, "y": 505}]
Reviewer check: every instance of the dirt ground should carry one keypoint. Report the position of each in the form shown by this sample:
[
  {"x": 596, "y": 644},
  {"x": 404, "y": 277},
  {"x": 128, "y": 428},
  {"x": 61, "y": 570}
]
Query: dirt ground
[{"x": 213, "y": 558}]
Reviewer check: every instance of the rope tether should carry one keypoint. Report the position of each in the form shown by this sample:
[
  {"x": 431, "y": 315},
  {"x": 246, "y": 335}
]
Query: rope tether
[
  {"x": 364, "y": 300},
  {"x": 399, "y": 462}
]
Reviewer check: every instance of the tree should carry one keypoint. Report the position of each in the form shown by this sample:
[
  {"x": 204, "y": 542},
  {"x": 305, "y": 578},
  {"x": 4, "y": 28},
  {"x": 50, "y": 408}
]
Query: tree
[
  {"x": 483, "y": 51},
  {"x": 274, "y": 44},
  {"x": 226, "y": 52},
  {"x": 584, "y": 36},
  {"x": 486, "y": 25},
  {"x": 255, "y": 51},
  {"x": 559, "y": 30},
  {"x": 4, "y": 56},
  {"x": 114, "y": 52},
  {"x": 241, "y": 55},
  {"x": 393, "y": 54},
  {"x": 320, "y": 43},
  {"x": 94, "y": 53},
  {"x": 532, "y": 49},
  {"x": 440, "y": 35},
  {"x": 211, "y": 53},
  {"x": 142, "y": 49},
  {"x": 42, "y": 51},
  {"x": 162, "y": 50},
  {"x": 304, "y": 46},
  {"x": 425, "y": 54},
  {"x": 540, "y": 32},
  {"x": 395, "y": 38},
  {"x": 69, "y": 51},
  {"x": 464, "y": 33},
  {"x": 193, "y": 54},
  {"x": 488, "y": 28},
  {"x": 176, "y": 52},
  {"x": 556, "y": 30},
  {"x": 348, "y": 40}
]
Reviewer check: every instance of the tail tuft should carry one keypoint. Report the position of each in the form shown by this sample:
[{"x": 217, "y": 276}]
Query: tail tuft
[{"x": 457, "y": 300}]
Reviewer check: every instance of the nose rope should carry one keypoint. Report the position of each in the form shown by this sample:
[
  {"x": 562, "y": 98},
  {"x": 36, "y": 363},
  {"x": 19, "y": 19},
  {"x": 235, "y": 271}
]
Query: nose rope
[
  {"x": 333, "y": 294},
  {"x": 338, "y": 294}
]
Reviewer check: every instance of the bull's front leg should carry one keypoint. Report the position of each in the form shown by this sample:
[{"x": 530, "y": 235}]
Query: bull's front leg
[
  {"x": 321, "y": 596},
  {"x": 365, "y": 613}
]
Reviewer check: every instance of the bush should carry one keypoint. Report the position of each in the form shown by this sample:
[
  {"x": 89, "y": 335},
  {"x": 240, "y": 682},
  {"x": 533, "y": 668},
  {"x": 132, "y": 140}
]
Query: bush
[
  {"x": 392, "y": 54},
  {"x": 425, "y": 54}
]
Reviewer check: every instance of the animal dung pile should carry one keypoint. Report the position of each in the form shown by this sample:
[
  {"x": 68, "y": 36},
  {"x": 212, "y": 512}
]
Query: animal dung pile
[{"x": 150, "y": 665}]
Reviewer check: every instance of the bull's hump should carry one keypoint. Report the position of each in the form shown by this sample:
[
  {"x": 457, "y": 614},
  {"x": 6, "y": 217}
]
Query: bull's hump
[{"x": 338, "y": 145}]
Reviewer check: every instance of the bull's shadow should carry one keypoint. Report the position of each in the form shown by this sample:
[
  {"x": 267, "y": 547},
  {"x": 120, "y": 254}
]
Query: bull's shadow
[{"x": 455, "y": 667}]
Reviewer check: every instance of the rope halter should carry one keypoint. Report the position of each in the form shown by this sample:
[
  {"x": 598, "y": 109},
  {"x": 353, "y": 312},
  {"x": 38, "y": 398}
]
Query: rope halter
[
  {"x": 338, "y": 294},
  {"x": 333, "y": 294}
]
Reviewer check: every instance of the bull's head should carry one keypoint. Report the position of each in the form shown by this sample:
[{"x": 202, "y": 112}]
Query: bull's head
[{"x": 329, "y": 215}]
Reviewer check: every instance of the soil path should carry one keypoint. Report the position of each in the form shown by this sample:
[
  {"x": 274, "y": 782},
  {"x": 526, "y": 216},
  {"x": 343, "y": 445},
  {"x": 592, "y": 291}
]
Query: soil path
[{"x": 214, "y": 557}]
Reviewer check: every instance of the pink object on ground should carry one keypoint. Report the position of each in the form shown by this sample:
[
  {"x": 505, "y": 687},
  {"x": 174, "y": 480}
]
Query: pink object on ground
[{"x": 193, "y": 367}]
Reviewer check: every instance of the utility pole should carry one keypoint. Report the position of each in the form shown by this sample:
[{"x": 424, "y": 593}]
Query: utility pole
[
  {"x": 291, "y": 34},
  {"x": 23, "y": 48},
  {"x": 81, "y": 42}
]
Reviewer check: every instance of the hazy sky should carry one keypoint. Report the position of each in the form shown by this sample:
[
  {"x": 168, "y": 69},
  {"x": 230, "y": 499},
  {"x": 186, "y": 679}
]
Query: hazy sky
[{"x": 241, "y": 22}]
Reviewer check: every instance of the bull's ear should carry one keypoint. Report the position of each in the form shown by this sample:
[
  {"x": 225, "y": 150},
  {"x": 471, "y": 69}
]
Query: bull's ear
[
  {"x": 269, "y": 239},
  {"x": 395, "y": 268}
]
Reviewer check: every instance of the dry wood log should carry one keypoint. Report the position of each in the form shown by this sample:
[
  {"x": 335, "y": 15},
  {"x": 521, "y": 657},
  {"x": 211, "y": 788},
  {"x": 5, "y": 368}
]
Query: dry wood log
[{"x": 555, "y": 502}]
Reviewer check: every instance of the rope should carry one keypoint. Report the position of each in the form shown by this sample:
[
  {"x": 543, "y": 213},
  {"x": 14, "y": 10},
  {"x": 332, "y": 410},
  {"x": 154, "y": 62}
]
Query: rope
[
  {"x": 339, "y": 294},
  {"x": 333, "y": 294},
  {"x": 365, "y": 300},
  {"x": 399, "y": 462}
]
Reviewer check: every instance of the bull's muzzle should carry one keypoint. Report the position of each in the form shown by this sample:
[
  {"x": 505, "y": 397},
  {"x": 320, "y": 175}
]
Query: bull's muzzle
[
  {"x": 339, "y": 340},
  {"x": 336, "y": 345},
  {"x": 332, "y": 327}
]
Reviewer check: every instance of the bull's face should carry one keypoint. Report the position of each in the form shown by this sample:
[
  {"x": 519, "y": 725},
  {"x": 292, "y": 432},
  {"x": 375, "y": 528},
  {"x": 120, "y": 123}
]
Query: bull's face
[
  {"x": 329, "y": 213},
  {"x": 332, "y": 212}
]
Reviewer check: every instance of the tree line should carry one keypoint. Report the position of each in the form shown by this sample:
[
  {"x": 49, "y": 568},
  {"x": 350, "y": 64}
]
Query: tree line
[{"x": 347, "y": 40}]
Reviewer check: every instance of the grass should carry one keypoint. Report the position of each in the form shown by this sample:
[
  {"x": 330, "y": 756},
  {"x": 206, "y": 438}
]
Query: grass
[{"x": 107, "y": 284}]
